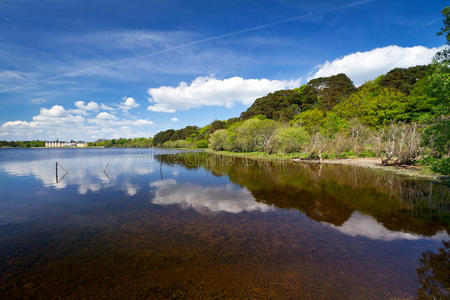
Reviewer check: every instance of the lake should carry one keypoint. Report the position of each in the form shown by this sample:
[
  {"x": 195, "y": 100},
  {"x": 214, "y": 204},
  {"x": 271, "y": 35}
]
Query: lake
[{"x": 148, "y": 223}]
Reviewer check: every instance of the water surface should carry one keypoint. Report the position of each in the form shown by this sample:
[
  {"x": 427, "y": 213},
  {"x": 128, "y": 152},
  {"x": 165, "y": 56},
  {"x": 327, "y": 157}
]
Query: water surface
[{"x": 134, "y": 223}]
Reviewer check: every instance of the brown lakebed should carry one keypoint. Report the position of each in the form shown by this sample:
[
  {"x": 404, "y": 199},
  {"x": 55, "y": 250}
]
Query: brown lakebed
[{"x": 169, "y": 224}]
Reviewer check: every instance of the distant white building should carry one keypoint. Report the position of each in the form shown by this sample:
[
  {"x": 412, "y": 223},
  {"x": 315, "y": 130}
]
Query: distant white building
[{"x": 58, "y": 144}]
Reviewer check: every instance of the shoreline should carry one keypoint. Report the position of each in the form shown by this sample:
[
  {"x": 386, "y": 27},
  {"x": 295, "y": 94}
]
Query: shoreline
[{"x": 372, "y": 163}]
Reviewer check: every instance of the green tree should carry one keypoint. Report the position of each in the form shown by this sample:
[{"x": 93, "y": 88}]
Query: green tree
[
  {"x": 446, "y": 29},
  {"x": 331, "y": 90},
  {"x": 254, "y": 134},
  {"x": 311, "y": 119},
  {"x": 290, "y": 139},
  {"x": 218, "y": 139},
  {"x": 280, "y": 105}
]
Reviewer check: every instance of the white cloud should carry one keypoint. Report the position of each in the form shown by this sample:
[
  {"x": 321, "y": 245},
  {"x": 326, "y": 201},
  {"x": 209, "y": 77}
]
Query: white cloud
[
  {"x": 18, "y": 124},
  {"x": 105, "y": 116},
  {"x": 91, "y": 106},
  {"x": 208, "y": 91},
  {"x": 38, "y": 101},
  {"x": 106, "y": 107},
  {"x": 57, "y": 111},
  {"x": 58, "y": 123},
  {"x": 364, "y": 66},
  {"x": 174, "y": 119},
  {"x": 141, "y": 122},
  {"x": 128, "y": 104}
]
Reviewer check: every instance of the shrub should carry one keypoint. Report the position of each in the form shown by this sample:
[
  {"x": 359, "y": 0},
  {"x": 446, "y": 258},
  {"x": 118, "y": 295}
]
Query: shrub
[
  {"x": 201, "y": 144},
  {"x": 289, "y": 139},
  {"x": 218, "y": 139}
]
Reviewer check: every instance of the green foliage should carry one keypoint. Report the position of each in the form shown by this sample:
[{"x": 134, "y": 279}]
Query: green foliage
[
  {"x": 331, "y": 90},
  {"x": 441, "y": 165},
  {"x": 437, "y": 136},
  {"x": 332, "y": 125},
  {"x": 177, "y": 144},
  {"x": 446, "y": 29},
  {"x": 308, "y": 95},
  {"x": 21, "y": 144},
  {"x": 123, "y": 143},
  {"x": 201, "y": 144},
  {"x": 375, "y": 108},
  {"x": 162, "y": 137},
  {"x": 290, "y": 139},
  {"x": 218, "y": 140},
  {"x": 403, "y": 79},
  {"x": 254, "y": 134},
  {"x": 311, "y": 119},
  {"x": 280, "y": 105}
]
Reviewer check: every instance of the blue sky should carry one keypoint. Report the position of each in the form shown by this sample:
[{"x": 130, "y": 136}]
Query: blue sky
[{"x": 145, "y": 66}]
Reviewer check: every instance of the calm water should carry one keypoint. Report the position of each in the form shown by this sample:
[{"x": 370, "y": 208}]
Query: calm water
[{"x": 162, "y": 224}]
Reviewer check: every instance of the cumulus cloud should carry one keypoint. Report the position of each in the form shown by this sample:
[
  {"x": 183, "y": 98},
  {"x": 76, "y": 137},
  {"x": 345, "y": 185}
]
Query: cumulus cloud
[
  {"x": 128, "y": 104},
  {"x": 105, "y": 116},
  {"x": 106, "y": 107},
  {"x": 91, "y": 106},
  {"x": 48, "y": 118},
  {"x": 364, "y": 66},
  {"x": 57, "y": 122},
  {"x": 208, "y": 91},
  {"x": 18, "y": 124},
  {"x": 174, "y": 119},
  {"x": 38, "y": 101},
  {"x": 141, "y": 122}
]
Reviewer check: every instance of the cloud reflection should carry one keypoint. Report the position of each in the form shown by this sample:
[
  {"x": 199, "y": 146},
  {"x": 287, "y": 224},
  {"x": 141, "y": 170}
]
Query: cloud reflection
[
  {"x": 206, "y": 199},
  {"x": 87, "y": 173},
  {"x": 361, "y": 225}
]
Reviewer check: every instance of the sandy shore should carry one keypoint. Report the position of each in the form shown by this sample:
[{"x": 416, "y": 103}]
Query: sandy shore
[{"x": 375, "y": 163}]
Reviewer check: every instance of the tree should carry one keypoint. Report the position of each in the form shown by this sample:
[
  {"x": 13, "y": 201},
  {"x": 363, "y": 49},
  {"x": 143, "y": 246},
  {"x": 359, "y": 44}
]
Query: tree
[
  {"x": 446, "y": 21},
  {"x": 254, "y": 134},
  {"x": 280, "y": 105},
  {"x": 289, "y": 139},
  {"x": 162, "y": 136},
  {"x": 331, "y": 90},
  {"x": 403, "y": 79},
  {"x": 311, "y": 119},
  {"x": 218, "y": 140},
  {"x": 332, "y": 125}
]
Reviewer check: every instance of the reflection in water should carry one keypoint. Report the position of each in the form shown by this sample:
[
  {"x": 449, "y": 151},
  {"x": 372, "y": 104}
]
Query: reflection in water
[
  {"x": 434, "y": 274},
  {"x": 338, "y": 195},
  {"x": 366, "y": 226},
  {"x": 206, "y": 199},
  {"x": 88, "y": 173},
  {"x": 202, "y": 226}
]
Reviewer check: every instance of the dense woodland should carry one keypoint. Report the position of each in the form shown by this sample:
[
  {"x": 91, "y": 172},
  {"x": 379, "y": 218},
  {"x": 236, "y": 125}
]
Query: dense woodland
[
  {"x": 123, "y": 143},
  {"x": 21, "y": 144},
  {"x": 402, "y": 117}
]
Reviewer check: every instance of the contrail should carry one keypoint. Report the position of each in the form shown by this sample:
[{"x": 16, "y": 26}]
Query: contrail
[{"x": 212, "y": 38}]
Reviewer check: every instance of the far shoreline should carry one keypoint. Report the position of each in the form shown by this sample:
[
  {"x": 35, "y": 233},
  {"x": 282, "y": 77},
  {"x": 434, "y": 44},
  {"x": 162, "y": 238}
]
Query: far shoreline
[{"x": 372, "y": 163}]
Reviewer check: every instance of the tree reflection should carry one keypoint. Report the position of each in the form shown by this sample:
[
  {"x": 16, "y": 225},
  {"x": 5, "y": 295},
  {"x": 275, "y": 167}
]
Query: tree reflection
[{"x": 434, "y": 274}]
